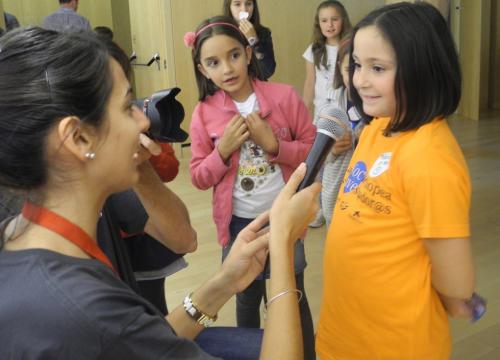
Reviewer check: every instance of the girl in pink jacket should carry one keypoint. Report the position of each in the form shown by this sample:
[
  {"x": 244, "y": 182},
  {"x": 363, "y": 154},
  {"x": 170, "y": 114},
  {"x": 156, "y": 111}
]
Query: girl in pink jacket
[{"x": 247, "y": 137}]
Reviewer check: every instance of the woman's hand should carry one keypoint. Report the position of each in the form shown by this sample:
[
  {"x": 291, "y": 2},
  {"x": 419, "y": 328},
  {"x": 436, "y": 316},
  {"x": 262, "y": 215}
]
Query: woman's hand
[
  {"x": 262, "y": 134},
  {"x": 247, "y": 29},
  {"x": 235, "y": 134},
  {"x": 248, "y": 254},
  {"x": 291, "y": 211},
  {"x": 344, "y": 144},
  {"x": 148, "y": 148}
]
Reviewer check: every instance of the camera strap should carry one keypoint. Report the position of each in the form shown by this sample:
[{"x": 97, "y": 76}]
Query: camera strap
[{"x": 70, "y": 231}]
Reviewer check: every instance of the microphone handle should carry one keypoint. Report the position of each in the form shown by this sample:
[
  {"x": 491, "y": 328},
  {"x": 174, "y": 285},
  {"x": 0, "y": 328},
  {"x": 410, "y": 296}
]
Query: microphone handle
[{"x": 316, "y": 158}]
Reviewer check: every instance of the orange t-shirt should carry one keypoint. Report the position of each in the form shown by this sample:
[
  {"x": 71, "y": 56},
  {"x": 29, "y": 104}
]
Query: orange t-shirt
[{"x": 378, "y": 300}]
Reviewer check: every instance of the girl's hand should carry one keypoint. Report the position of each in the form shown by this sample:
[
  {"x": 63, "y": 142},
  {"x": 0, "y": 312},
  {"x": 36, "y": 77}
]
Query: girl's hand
[
  {"x": 344, "y": 144},
  {"x": 235, "y": 134},
  {"x": 456, "y": 308},
  {"x": 248, "y": 254},
  {"x": 291, "y": 211},
  {"x": 247, "y": 29},
  {"x": 262, "y": 134}
]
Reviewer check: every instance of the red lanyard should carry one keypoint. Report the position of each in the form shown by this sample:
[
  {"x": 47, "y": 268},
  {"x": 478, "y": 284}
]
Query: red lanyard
[{"x": 72, "y": 232}]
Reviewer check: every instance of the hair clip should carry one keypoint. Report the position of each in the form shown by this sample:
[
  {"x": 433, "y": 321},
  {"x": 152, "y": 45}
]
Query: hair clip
[{"x": 189, "y": 39}]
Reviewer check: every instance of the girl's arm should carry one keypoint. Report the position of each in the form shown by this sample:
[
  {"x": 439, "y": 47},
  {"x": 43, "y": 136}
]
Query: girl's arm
[
  {"x": 168, "y": 218},
  {"x": 452, "y": 267},
  {"x": 310, "y": 81},
  {"x": 206, "y": 167},
  {"x": 302, "y": 131}
]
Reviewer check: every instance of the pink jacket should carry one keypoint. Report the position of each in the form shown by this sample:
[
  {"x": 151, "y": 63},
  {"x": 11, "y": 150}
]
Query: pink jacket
[{"x": 290, "y": 120}]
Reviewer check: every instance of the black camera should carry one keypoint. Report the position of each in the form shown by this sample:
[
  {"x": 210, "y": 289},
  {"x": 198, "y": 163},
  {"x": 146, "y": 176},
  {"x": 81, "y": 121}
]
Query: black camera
[{"x": 165, "y": 114}]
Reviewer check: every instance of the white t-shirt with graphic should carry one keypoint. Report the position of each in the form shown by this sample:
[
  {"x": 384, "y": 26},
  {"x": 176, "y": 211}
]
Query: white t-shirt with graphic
[
  {"x": 324, "y": 76},
  {"x": 258, "y": 181}
]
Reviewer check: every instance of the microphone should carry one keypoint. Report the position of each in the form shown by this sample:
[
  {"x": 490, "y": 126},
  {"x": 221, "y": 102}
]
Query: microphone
[{"x": 331, "y": 126}]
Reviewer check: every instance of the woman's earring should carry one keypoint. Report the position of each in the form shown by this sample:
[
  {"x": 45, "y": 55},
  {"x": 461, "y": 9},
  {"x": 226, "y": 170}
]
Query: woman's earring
[{"x": 90, "y": 155}]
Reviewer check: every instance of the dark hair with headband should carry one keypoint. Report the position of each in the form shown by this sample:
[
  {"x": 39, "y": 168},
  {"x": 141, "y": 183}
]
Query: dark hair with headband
[
  {"x": 46, "y": 76},
  {"x": 218, "y": 25}
]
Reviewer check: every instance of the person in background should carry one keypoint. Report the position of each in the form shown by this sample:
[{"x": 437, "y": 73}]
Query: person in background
[
  {"x": 397, "y": 254},
  {"x": 71, "y": 140},
  {"x": 10, "y": 21},
  {"x": 331, "y": 23},
  {"x": 247, "y": 137},
  {"x": 337, "y": 161},
  {"x": 246, "y": 13},
  {"x": 104, "y": 32},
  {"x": 66, "y": 18}
]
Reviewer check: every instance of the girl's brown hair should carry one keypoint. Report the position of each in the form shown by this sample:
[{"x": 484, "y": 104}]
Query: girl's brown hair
[
  {"x": 223, "y": 25},
  {"x": 319, "y": 40},
  {"x": 344, "y": 50}
]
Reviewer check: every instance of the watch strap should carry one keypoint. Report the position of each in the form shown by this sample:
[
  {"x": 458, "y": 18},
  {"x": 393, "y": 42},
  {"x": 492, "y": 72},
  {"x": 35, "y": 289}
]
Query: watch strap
[{"x": 199, "y": 316}]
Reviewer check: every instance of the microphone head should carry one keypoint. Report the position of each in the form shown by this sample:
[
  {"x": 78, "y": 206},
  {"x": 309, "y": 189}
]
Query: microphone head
[{"x": 333, "y": 122}]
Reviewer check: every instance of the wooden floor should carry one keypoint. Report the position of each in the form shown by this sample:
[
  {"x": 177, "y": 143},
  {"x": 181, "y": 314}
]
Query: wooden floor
[{"x": 480, "y": 142}]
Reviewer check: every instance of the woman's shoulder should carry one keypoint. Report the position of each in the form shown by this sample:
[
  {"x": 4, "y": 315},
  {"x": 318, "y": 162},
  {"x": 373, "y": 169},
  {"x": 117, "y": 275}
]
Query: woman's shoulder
[{"x": 71, "y": 305}]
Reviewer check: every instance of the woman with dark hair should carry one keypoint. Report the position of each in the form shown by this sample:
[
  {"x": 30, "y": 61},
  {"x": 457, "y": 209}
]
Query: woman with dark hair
[
  {"x": 246, "y": 13},
  {"x": 70, "y": 137}
]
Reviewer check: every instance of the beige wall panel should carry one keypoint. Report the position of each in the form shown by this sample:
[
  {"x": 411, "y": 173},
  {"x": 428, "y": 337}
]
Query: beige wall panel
[
  {"x": 495, "y": 55},
  {"x": 98, "y": 12},
  {"x": 486, "y": 45},
  {"x": 185, "y": 16},
  {"x": 121, "y": 24},
  {"x": 147, "y": 25},
  {"x": 2, "y": 21},
  {"x": 32, "y": 12},
  {"x": 474, "y": 45}
]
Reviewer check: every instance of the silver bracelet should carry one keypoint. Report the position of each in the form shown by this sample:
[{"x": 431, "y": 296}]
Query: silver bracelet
[{"x": 284, "y": 293}]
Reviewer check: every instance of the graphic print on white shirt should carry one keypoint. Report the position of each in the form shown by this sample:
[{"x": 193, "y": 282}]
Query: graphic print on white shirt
[{"x": 258, "y": 181}]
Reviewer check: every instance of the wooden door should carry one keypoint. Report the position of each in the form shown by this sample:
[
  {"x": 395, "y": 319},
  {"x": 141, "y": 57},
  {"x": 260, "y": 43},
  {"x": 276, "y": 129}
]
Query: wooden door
[{"x": 148, "y": 32}]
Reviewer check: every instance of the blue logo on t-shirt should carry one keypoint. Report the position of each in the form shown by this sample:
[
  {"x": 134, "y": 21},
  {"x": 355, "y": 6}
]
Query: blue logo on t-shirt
[{"x": 357, "y": 175}]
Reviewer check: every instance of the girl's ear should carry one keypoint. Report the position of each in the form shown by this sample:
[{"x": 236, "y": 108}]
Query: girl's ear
[
  {"x": 203, "y": 71},
  {"x": 74, "y": 138},
  {"x": 249, "y": 52}
]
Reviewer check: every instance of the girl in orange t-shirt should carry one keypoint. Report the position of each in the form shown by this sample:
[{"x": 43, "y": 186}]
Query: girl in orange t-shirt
[{"x": 397, "y": 255}]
